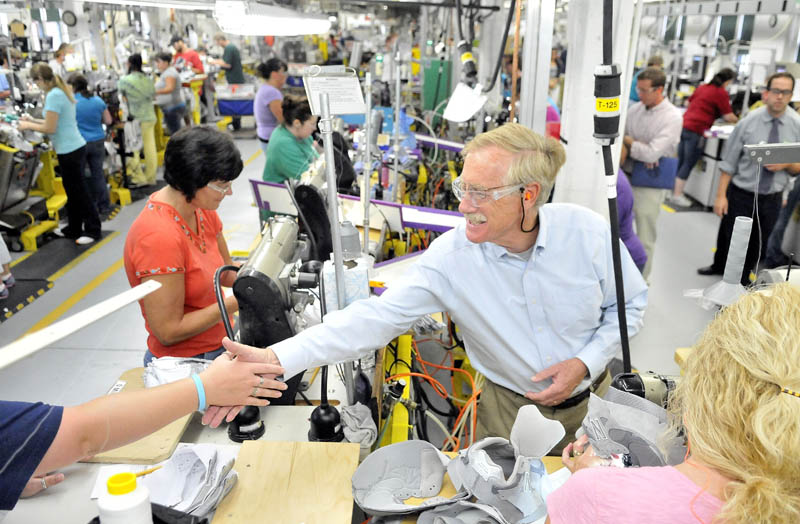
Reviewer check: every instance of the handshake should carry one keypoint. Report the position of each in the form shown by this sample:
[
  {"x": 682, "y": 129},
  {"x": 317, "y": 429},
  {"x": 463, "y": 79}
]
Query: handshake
[{"x": 242, "y": 376}]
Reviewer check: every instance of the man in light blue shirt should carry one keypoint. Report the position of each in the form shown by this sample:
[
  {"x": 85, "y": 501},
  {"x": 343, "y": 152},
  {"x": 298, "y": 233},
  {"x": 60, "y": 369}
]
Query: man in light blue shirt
[{"x": 531, "y": 287}]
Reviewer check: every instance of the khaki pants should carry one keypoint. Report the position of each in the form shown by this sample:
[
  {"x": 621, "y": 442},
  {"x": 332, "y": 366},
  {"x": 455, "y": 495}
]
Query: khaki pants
[
  {"x": 646, "y": 207},
  {"x": 147, "y": 175},
  {"x": 498, "y": 408}
]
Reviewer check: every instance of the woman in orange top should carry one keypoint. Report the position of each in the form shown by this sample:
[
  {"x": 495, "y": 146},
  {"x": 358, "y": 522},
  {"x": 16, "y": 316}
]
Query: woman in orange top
[{"x": 177, "y": 240}]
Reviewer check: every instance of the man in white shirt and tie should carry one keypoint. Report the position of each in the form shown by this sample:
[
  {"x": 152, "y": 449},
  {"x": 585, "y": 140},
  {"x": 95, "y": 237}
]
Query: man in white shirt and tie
[{"x": 530, "y": 286}]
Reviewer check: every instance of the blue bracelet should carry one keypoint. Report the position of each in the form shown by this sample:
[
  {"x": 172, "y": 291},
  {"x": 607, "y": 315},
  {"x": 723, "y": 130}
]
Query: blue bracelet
[{"x": 201, "y": 392}]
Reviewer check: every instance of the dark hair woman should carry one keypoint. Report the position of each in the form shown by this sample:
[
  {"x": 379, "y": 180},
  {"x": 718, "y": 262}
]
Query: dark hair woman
[
  {"x": 91, "y": 113},
  {"x": 291, "y": 148},
  {"x": 177, "y": 240},
  {"x": 708, "y": 102}
]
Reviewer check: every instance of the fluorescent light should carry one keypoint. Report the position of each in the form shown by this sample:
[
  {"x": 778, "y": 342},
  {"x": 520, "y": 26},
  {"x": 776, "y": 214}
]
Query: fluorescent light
[
  {"x": 193, "y": 5},
  {"x": 240, "y": 17}
]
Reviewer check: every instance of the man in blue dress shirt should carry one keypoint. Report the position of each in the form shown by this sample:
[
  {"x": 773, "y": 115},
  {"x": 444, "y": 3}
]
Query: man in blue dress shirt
[{"x": 531, "y": 287}]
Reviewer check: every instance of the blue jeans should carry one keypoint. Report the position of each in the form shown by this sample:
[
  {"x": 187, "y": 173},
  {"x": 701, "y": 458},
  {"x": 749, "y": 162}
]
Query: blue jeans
[
  {"x": 689, "y": 152},
  {"x": 173, "y": 117},
  {"x": 775, "y": 255},
  {"x": 95, "y": 179},
  {"x": 210, "y": 355}
]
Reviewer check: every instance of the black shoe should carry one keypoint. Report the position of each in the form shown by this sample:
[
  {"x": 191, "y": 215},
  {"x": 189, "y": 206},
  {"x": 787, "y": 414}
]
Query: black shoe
[{"x": 709, "y": 270}]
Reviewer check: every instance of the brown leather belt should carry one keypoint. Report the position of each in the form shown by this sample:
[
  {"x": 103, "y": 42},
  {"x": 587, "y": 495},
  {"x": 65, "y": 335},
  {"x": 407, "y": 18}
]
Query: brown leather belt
[{"x": 583, "y": 395}]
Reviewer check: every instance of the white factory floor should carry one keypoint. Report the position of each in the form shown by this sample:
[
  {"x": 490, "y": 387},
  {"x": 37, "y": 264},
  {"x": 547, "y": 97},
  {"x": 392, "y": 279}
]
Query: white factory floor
[{"x": 85, "y": 364}]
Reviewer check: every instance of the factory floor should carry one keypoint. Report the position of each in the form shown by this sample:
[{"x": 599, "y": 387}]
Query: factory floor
[{"x": 87, "y": 363}]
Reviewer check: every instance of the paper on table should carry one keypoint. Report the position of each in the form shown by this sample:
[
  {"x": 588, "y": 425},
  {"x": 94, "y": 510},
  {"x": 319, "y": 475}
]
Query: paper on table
[{"x": 193, "y": 480}]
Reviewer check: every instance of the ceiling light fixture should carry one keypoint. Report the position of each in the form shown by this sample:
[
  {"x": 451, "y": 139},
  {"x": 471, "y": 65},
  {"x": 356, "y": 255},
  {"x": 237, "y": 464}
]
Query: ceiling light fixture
[
  {"x": 193, "y": 5},
  {"x": 241, "y": 17}
]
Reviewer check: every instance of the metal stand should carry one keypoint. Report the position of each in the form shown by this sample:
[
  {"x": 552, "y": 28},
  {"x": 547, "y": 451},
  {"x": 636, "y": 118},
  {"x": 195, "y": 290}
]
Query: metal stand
[
  {"x": 396, "y": 140},
  {"x": 365, "y": 186},
  {"x": 326, "y": 126}
]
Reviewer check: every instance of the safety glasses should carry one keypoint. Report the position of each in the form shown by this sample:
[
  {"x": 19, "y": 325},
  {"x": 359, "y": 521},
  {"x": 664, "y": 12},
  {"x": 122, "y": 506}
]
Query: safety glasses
[
  {"x": 479, "y": 197},
  {"x": 224, "y": 190}
]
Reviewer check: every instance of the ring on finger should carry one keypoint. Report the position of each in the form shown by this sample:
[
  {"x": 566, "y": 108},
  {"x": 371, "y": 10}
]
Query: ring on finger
[
  {"x": 255, "y": 390},
  {"x": 44, "y": 483},
  {"x": 260, "y": 381},
  {"x": 577, "y": 452}
]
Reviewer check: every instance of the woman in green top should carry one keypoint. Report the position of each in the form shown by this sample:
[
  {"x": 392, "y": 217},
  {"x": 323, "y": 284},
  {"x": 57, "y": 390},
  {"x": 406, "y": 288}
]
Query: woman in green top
[
  {"x": 140, "y": 93},
  {"x": 291, "y": 148}
]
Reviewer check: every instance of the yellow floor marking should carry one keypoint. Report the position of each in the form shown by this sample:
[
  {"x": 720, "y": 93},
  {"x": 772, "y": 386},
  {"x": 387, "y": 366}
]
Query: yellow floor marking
[
  {"x": 252, "y": 157},
  {"x": 83, "y": 256},
  {"x": 75, "y": 298},
  {"x": 20, "y": 259}
]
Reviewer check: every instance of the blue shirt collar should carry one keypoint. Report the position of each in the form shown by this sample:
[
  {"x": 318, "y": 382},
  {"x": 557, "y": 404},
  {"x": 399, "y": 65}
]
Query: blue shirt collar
[{"x": 498, "y": 251}]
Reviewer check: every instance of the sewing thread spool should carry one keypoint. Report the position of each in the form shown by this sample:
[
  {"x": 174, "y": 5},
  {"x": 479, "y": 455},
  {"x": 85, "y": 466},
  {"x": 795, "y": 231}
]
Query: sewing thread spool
[{"x": 737, "y": 252}]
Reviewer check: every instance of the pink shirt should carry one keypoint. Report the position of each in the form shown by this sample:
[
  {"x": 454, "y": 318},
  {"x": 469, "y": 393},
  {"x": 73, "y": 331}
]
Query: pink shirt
[{"x": 630, "y": 495}]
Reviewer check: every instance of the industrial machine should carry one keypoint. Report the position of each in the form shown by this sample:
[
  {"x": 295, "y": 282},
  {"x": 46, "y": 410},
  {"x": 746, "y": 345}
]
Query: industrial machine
[
  {"x": 23, "y": 215},
  {"x": 272, "y": 291}
]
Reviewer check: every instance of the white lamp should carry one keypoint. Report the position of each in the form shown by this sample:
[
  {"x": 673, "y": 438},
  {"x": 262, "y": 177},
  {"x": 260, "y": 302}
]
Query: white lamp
[{"x": 193, "y": 5}]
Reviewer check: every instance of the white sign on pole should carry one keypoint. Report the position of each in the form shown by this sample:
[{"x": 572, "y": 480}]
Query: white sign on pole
[{"x": 344, "y": 93}]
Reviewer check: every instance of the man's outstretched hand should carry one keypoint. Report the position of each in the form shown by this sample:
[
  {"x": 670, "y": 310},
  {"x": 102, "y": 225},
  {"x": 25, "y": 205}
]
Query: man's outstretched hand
[{"x": 214, "y": 415}]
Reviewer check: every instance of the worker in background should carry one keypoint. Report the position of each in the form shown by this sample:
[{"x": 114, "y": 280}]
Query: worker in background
[
  {"x": 231, "y": 62},
  {"x": 736, "y": 405},
  {"x": 40, "y": 438},
  {"x": 741, "y": 184},
  {"x": 267, "y": 105},
  {"x": 185, "y": 57},
  {"x": 708, "y": 102},
  {"x": 5, "y": 86},
  {"x": 654, "y": 61},
  {"x": 530, "y": 286},
  {"x": 91, "y": 113},
  {"x": 177, "y": 241},
  {"x": 83, "y": 222},
  {"x": 775, "y": 255},
  {"x": 652, "y": 131},
  {"x": 291, "y": 148},
  {"x": 626, "y": 221},
  {"x": 139, "y": 93},
  {"x": 169, "y": 95},
  {"x": 57, "y": 62}
]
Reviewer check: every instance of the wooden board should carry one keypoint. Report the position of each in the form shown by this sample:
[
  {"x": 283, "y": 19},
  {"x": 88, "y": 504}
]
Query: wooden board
[
  {"x": 291, "y": 483},
  {"x": 153, "y": 448}
]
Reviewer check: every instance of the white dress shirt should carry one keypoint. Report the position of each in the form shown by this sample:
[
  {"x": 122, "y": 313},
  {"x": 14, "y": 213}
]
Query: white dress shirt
[
  {"x": 516, "y": 316},
  {"x": 656, "y": 131}
]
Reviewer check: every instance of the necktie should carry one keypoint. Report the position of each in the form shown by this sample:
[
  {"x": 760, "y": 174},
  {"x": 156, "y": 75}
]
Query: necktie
[{"x": 765, "y": 183}]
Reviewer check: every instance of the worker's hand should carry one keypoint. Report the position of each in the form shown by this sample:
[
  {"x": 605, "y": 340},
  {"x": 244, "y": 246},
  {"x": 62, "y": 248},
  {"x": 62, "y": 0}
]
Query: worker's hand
[
  {"x": 26, "y": 117},
  {"x": 579, "y": 454},
  {"x": 231, "y": 382},
  {"x": 565, "y": 375},
  {"x": 627, "y": 140},
  {"x": 35, "y": 484},
  {"x": 231, "y": 304},
  {"x": 777, "y": 167},
  {"x": 22, "y": 125},
  {"x": 250, "y": 353},
  {"x": 721, "y": 206}
]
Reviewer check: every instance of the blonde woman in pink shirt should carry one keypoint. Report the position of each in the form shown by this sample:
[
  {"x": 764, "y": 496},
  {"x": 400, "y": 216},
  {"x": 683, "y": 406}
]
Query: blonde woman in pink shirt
[{"x": 739, "y": 402}]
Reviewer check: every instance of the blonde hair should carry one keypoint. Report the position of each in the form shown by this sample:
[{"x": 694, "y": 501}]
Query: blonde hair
[
  {"x": 537, "y": 158},
  {"x": 737, "y": 419},
  {"x": 43, "y": 71}
]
